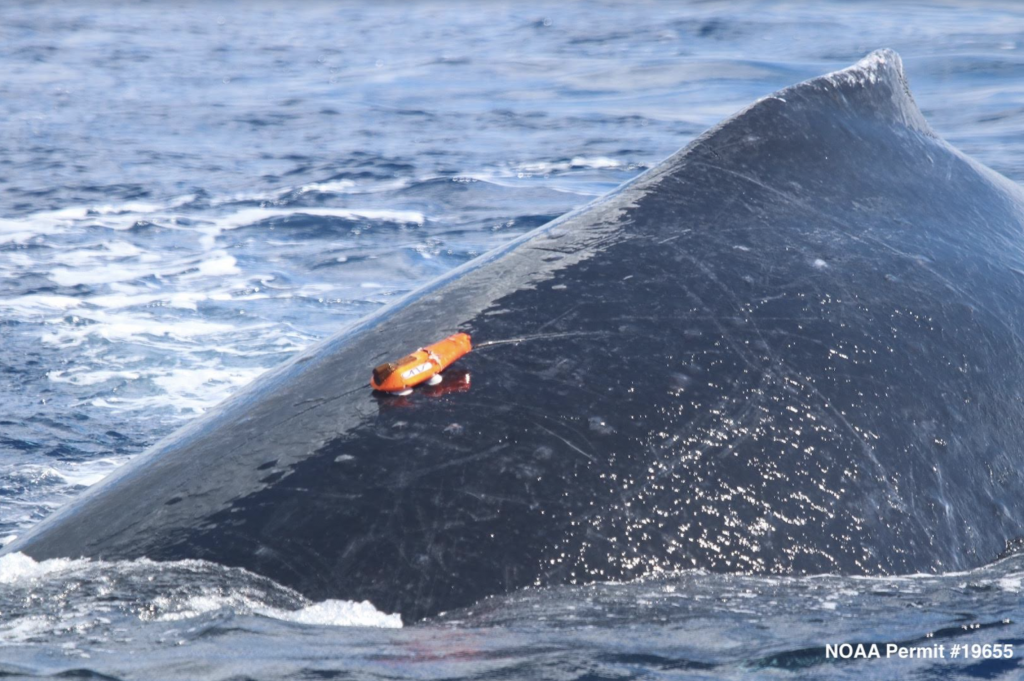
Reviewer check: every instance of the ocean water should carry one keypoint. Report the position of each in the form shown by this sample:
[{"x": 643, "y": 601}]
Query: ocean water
[{"x": 189, "y": 194}]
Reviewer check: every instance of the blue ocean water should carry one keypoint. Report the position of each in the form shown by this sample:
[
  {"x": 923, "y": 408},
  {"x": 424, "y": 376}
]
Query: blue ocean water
[{"x": 192, "y": 193}]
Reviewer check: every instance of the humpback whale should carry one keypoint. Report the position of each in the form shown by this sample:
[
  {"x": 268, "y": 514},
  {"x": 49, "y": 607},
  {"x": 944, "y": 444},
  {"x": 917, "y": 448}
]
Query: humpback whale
[{"x": 795, "y": 346}]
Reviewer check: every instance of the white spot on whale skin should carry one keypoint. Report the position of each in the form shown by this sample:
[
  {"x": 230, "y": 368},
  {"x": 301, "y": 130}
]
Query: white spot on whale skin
[
  {"x": 598, "y": 425},
  {"x": 819, "y": 264},
  {"x": 343, "y": 458}
]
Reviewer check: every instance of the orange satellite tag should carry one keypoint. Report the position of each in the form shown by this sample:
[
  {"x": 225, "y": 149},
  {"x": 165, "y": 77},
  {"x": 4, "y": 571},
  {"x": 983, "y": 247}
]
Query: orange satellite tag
[{"x": 420, "y": 366}]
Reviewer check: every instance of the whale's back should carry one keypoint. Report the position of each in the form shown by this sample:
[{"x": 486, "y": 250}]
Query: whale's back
[{"x": 794, "y": 346}]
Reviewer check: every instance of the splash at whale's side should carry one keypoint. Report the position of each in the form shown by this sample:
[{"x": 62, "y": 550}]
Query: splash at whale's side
[{"x": 795, "y": 346}]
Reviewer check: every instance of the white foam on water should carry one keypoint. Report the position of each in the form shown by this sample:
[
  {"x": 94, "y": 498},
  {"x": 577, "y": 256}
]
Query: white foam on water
[
  {"x": 27, "y": 475},
  {"x": 186, "y": 389},
  {"x": 342, "y": 186},
  {"x": 511, "y": 179},
  {"x": 231, "y": 590},
  {"x": 88, "y": 473},
  {"x": 50, "y": 222},
  {"x": 129, "y": 207},
  {"x": 36, "y": 303},
  {"x": 187, "y": 300},
  {"x": 203, "y": 384},
  {"x": 138, "y": 328},
  {"x": 330, "y": 613},
  {"x": 349, "y": 187},
  {"x": 338, "y": 614},
  {"x": 327, "y": 187},
  {"x": 1012, "y": 583},
  {"x": 595, "y": 162},
  {"x": 107, "y": 250},
  {"x": 82, "y": 376},
  {"x": 151, "y": 298},
  {"x": 174, "y": 610},
  {"x": 129, "y": 298},
  {"x": 24, "y": 629},
  {"x": 121, "y": 217},
  {"x": 29, "y": 491},
  {"x": 122, "y": 267},
  {"x": 17, "y": 567},
  {"x": 21, "y": 229},
  {"x": 251, "y": 216},
  {"x": 118, "y": 324},
  {"x": 135, "y": 293},
  {"x": 220, "y": 265},
  {"x": 576, "y": 163}
]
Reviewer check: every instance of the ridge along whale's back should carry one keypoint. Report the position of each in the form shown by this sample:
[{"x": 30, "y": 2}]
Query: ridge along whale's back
[{"x": 794, "y": 346}]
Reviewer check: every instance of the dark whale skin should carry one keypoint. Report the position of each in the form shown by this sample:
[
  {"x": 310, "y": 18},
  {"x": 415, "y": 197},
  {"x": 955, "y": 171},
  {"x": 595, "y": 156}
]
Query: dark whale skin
[{"x": 795, "y": 346}]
